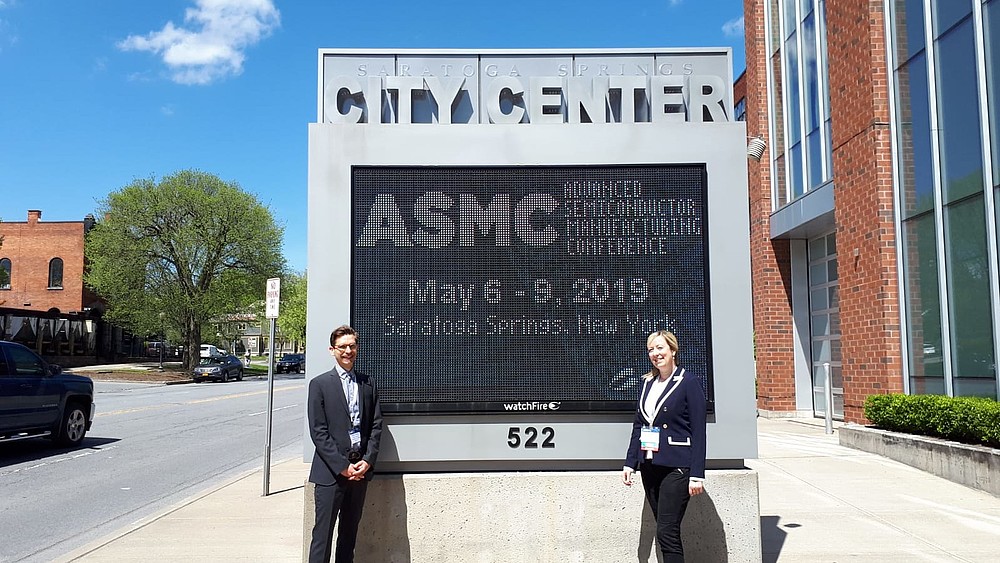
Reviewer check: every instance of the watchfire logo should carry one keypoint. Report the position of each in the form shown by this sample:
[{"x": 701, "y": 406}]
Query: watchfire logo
[{"x": 532, "y": 406}]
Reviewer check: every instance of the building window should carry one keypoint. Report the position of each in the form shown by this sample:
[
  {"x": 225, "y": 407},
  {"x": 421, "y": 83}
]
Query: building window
[
  {"x": 800, "y": 83},
  {"x": 5, "y": 273},
  {"x": 740, "y": 112},
  {"x": 947, "y": 250},
  {"x": 56, "y": 273}
]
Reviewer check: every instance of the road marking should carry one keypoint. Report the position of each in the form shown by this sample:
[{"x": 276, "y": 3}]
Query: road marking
[
  {"x": 274, "y": 410},
  {"x": 196, "y": 401},
  {"x": 91, "y": 451}
]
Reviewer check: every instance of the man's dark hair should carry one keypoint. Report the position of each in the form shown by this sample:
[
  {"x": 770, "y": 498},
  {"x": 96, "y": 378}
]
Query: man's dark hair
[{"x": 341, "y": 331}]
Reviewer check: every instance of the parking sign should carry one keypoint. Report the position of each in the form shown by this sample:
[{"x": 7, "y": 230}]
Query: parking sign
[{"x": 273, "y": 297}]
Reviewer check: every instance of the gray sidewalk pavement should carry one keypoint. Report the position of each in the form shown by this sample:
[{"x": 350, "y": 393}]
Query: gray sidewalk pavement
[{"x": 820, "y": 502}]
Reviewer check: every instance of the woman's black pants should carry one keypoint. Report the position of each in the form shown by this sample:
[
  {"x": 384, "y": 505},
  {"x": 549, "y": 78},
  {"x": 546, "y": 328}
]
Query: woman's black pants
[{"x": 667, "y": 493}]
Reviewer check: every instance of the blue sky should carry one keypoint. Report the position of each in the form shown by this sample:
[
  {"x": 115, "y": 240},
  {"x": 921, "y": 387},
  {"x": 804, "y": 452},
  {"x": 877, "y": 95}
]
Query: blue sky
[{"x": 95, "y": 93}]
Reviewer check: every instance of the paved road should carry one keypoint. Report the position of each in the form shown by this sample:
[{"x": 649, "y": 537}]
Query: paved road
[{"x": 150, "y": 447}]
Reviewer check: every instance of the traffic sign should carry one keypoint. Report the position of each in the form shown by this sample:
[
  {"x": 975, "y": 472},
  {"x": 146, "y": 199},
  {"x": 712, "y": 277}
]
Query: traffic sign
[{"x": 273, "y": 297}]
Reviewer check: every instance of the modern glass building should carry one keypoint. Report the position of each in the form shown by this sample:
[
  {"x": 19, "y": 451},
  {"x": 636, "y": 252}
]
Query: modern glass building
[{"x": 874, "y": 215}]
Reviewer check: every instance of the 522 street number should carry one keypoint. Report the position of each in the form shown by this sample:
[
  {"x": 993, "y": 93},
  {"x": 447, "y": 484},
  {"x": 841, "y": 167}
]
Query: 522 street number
[{"x": 528, "y": 437}]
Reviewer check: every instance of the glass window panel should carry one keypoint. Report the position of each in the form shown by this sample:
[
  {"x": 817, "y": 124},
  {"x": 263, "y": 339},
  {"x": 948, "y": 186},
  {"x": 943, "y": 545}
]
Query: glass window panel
[
  {"x": 778, "y": 109},
  {"x": 837, "y": 378},
  {"x": 775, "y": 26},
  {"x": 815, "y": 148},
  {"x": 835, "y": 323},
  {"x": 5, "y": 273},
  {"x": 817, "y": 248},
  {"x": 829, "y": 148},
  {"x": 969, "y": 290},
  {"x": 908, "y": 21},
  {"x": 819, "y": 399},
  {"x": 805, "y": 7},
  {"x": 792, "y": 90},
  {"x": 915, "y": 138},
  {"x": 780, "y": 190},
  {"x": 975, "y": 387},
  {"x": 991, "y": 24},
  {"x": 831, "y": 244},
  {"x": 788, "y": 11},
  {"x": 922, "y": 302},
  {"x": 831, "y": 268},
  {"x": 927, "y": 385},
  {"x": 958, "y": 107},
  {"x": 822, "y": 350},
  {"x": 795, "y": 170},
  {"x": 810, "y": 71},
  {"x": 817, "y": 274},
  {"x": 835, "y": 350},
  {"x": 948, "y": 12},
  {"x": 55, "y": 273},
  {"x": 819, "y": 380},
  {"x": 838, "y": 406},
  {"x": 820, "y": 325},
  {"x": 819, "y": 300},
  {"x": 834, "y": 297}
]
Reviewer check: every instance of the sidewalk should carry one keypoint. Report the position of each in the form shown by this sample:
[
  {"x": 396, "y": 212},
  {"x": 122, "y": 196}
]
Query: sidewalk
[
  {"x": 819, "y": 502},
  {"x": 232, "y": 522}
]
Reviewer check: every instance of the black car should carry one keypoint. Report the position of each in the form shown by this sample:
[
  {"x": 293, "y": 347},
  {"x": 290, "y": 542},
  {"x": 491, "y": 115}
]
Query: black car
[
  {"x": 291, "y": 363},
  {"x": 219, "y": 368},
  {"x": 37, "y": 399}
]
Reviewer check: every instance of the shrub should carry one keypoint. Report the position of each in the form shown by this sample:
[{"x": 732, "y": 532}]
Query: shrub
[{"x": 971, "y": 420}]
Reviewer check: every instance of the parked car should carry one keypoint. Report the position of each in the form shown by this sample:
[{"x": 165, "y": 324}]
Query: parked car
[
  {"x": 209, "y": 351},
  {"x": 218, "y": 368},
  {"x": 38, "y": 400},
  {"x": 291, "y": 363}
]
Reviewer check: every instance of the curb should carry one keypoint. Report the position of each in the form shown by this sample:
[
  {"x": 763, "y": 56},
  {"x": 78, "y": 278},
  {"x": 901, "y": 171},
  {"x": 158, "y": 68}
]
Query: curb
[{"x": 975, "y": 466}]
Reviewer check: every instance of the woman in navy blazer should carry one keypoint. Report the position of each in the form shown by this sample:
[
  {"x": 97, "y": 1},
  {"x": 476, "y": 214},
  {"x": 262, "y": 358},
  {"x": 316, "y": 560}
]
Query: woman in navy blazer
[{"x": 668, "y": 442}]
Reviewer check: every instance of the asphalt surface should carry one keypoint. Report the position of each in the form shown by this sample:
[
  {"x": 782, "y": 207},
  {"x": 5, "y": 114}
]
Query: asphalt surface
[{"x": 151, "y": 446}]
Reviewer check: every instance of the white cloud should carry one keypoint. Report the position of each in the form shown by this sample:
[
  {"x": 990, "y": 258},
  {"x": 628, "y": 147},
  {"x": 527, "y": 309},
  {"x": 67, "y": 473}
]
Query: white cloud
[
  {"x": 210, "y": 44},
  {"x": 167, "y": 110},
  {"x": 733, "y": 28},
  {"x": 675, "y": 2}
]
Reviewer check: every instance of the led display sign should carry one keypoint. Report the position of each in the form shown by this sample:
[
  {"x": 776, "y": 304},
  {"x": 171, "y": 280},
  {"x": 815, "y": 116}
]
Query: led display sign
[{"x": 526, "y": 288}]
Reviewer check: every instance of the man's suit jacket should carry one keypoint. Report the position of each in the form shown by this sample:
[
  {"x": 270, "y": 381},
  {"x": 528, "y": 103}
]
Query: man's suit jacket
[
  {"x": 330, "y": 425},
  {"x": 681, "y": 418}
]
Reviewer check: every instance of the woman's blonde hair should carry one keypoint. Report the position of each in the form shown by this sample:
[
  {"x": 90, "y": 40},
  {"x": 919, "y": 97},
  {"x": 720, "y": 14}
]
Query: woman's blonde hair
[{"x": 671, "y": 342}]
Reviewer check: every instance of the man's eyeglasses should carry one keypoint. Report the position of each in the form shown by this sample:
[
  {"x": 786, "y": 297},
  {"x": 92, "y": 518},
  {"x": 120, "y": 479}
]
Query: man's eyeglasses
[{"x": 345, "y": 347}]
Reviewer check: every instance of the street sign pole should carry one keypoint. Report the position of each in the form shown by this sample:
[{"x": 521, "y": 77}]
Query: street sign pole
[{"x": 271, "y": 309}]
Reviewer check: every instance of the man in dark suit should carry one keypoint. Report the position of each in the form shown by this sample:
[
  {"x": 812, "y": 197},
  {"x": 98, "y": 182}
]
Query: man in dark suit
[{"x": 345, "y": 423}]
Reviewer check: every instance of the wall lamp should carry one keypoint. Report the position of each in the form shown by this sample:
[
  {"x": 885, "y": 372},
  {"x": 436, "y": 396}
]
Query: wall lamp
[{"x": 756, "y": 147}]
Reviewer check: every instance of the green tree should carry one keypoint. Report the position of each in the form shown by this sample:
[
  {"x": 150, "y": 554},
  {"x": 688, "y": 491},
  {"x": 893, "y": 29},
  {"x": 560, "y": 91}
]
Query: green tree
[
  {"x": 190, "y": 246},
  {"x": 292, "y": 311}
]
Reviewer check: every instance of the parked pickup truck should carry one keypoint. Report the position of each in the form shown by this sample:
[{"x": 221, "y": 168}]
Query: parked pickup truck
[{"x": 38, "y": 399}]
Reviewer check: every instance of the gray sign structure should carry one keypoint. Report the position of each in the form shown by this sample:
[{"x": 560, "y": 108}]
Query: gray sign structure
[{"x": 487, "y": 109}]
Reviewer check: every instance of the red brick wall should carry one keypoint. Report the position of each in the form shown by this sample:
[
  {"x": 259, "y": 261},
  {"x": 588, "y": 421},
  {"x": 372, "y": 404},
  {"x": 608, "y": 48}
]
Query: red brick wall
[
  {"x": 770, "y": 260},
  {"x": 30, "y": 246},
  {"x": 863, "y": 202}
]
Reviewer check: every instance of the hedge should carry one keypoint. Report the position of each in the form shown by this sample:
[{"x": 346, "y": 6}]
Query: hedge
[{"x": 971, "y": 420}]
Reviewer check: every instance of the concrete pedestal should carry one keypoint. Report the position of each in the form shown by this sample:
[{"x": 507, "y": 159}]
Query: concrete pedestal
[{"x": 555, "y": 517}]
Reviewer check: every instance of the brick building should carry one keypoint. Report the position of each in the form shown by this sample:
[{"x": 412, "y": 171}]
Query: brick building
[
  {"x": 42, "y": 265},
  {"x": 873, "y": 213}
]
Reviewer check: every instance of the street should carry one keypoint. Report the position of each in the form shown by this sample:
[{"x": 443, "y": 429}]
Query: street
[{"x": 150, "y": 447}]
